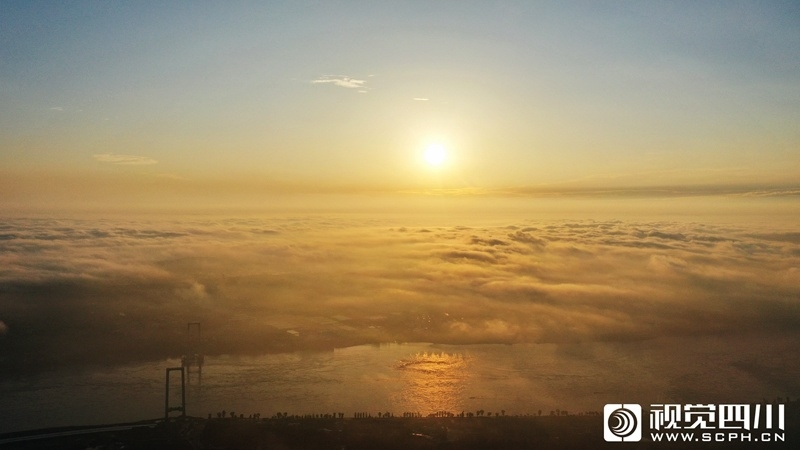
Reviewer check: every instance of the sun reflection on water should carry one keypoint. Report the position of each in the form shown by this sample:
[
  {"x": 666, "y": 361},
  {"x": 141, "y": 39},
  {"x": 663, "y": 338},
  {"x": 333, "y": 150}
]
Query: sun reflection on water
[{"x": 433, "y": 382}]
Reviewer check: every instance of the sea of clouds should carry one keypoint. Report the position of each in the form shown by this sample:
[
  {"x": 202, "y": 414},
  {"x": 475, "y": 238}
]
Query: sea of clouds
[{"x": 111, "y": 291}]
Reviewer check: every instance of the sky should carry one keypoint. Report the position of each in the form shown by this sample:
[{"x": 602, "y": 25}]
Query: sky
[{"x": 143, "y": 102}]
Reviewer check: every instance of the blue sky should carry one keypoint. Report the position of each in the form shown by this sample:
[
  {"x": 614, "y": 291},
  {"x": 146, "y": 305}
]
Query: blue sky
[{"x": 347, "y": 95}]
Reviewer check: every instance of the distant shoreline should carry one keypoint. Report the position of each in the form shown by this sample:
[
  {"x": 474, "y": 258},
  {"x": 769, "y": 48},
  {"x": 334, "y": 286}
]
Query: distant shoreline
[{"x": 295, "y": 432}]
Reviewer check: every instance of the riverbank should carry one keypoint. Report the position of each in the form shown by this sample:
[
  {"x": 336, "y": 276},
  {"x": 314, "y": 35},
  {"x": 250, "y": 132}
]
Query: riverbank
[{"x": 336, "y": 432}]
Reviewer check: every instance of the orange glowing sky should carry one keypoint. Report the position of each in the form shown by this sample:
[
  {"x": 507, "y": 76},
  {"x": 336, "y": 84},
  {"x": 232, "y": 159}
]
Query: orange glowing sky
[{"x": 108, "y": 102}]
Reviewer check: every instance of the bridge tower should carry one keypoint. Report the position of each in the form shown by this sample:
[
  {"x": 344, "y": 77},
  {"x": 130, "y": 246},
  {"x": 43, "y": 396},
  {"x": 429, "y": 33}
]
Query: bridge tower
[
  {"x": 194, "y": 356},
  {"x": 168, "y": 409}
]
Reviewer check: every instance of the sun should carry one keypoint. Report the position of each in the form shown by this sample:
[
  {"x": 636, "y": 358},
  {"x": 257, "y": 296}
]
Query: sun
[{"x": 435, "y": 155}]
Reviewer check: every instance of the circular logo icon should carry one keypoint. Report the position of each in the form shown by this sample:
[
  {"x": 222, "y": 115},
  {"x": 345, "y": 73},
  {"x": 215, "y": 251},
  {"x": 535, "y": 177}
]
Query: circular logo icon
[{"x": 622, "y": 422}]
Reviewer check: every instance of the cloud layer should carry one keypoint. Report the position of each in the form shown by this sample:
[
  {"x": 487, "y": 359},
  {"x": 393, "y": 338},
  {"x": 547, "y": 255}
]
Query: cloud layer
[{"x": 76, "y": 291}]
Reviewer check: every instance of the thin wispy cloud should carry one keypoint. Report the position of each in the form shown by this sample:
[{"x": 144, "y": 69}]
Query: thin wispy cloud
[
  {"x": 127, "y": 160},
  {"x": 342, "y": 81},
  {"x": 562, "y": 190},
  {"x": 420, "y": 99}
]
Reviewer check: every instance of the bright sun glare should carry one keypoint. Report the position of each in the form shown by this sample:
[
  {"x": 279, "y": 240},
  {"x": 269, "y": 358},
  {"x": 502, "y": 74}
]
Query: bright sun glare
[{"x": 435, "y": 155}]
